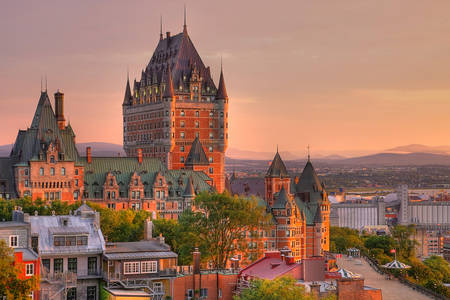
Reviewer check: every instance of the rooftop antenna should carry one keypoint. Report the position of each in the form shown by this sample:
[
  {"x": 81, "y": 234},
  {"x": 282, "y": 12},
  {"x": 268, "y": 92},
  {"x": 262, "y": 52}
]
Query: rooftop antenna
[
  {"x": 184, "y": 25},
  {"x": 160, "y": 28}
]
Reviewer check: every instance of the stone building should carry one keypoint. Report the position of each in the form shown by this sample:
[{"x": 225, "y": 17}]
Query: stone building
[{"x": 176, "y": 106}]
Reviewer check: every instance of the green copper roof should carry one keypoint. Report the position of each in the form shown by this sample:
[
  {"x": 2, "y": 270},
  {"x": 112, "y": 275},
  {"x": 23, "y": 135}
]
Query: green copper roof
[
  {"x": 197, "y": 155},
  {"x": 277, "y": 167}
]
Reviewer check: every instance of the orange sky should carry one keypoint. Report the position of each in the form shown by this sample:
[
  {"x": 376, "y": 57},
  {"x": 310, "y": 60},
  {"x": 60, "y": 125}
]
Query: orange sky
[{"x": 343, "y": 76}]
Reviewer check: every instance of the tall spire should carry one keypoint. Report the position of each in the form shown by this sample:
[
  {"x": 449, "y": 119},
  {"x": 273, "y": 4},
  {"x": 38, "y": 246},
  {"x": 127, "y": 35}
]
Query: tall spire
[
  {"x": 160, "y": 28},
  {"x": 309, "y": 156},
  {"x": 184, "y": 25},
  {"x": 221, "y": 91}
]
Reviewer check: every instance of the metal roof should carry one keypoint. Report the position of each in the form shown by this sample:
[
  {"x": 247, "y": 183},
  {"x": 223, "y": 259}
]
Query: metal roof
[{"x": 140, "y": 255}]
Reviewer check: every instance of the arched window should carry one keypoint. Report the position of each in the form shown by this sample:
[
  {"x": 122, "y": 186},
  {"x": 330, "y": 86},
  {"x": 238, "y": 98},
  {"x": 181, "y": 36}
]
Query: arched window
[
  {"x": 41, "y": 171},
  {"x": 135, "y": 182},
  {"x": 52, "y": 159},
  {"x": 52, "y": 171},
  {"x": 63, "y": 171}
]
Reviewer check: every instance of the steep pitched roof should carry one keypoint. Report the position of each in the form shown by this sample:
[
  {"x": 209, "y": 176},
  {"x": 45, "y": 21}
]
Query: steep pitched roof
[
  {"x": 128, "y": 97},
  {"x": 281, "y": 199},
  {"x": 43, "y": 131},
  {"x": 309, "y": 181},
  {"x": 179, "y": 53},
  {"x": 197, "y": 155},
  {"x": 277, "y": 167},
  {"x": 168, "y": 91},
  {"x": 222, "y": 90},
  {"x": 189, "y": 191}
]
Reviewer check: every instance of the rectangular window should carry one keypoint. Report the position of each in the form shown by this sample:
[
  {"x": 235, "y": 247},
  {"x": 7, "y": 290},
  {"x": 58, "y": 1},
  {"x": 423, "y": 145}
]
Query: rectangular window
[
  {"x": 72, "y": 264},
  {"x": 71, "y": 240},
  {"x": 158, "y": 287},
  {"x": 182, "y": 135},
  {"x": 158, "y": 195},
  {"x": 29, "y": 270},
  {"x": 149, "y": 267},
  {"x": 72, "y": 293},
  {"x": 46, "y": 264},
  {"x": 82, "y": 240},
  {"x": 182, "y": 159},
  {"x": 131, "y": 267},
  {"x": 204, "y": 293},
  {"x": 92, "y": 265},
  {"x": 181, "y": 148},
  {"x": 91, "y": 293},
  {"x": 13, "y": 241},
  {"x": 58, "y": 265}
]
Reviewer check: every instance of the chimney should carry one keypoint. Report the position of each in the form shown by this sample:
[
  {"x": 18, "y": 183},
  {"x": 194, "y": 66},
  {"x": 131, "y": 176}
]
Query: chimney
[
  {"x": 18, "y": 215},
  {"x": 168, "y": 35},
  {"x": 196, "y": 261},
  {"x": 148, "y": 229},
  {"x": 161, "y": 239},
  {"x": 59, "y": 110},
  {"x": 88, "y": 155},
  {"x": 139, "y": 151}
]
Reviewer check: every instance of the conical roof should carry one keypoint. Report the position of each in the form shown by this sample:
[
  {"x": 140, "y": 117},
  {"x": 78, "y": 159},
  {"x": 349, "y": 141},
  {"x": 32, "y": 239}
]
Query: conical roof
[
  {"x": 189, "y": 191},
  {"x": 281, "y": 199},
  {"x": 127, "y": 98},
  {"x": 197, "y": 155},
  {"x": 309, "y": 181},
  {"x": 168, "y": 91},
  {"x": 222, "y": 91},
  {"x": 318, "y": 216},
  {"x": 277, "y": 167}
]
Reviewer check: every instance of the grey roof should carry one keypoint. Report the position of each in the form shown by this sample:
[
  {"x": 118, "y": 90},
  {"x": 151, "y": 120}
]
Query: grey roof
[
  {"x": 9, "y": 224},
  {"x": 44, "y": 226},
  {"x": 43, "y": 131},
  {"x": 127, "y": 97},
  {"x": 222, "y": 90},
  {"x": 277, "y": 167},
  {"x": 197, "y": 155},
  {"x": 189, "y": 191},
  {"x": 140, "y": 255},
  {"x": 168, "y": 91},
  {"x": 281, "y": 199},
  {"x": 28, "y": 254}
]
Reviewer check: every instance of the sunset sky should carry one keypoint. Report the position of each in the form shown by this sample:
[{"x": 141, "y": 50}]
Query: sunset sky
[{"x": 343, "y": 76}]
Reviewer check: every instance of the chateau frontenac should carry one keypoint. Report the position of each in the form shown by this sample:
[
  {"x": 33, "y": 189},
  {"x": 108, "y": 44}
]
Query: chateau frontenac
[{"x": 176, "y": 113}]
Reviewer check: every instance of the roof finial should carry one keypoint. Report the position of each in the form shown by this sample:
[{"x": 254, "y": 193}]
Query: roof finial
[
  {"x": 277, "y": 148},
  {"x": 184, "y": 25},
  {"x": 160, "y": 28},
  {"x": 221, "y": 63},
  {"x": 309, "y": 156},
  {"x": 46, "y": 83}
]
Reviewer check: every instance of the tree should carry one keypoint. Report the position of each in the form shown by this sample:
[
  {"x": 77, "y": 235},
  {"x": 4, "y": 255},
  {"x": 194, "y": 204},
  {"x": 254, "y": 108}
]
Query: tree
[
  {"x": 222, "y": 222},
  {"x": 380, "y": 242},
  {"x": 282, "y": 288},
  {"x": 12, "y": 286},
  {"x": 342, "y": 238},
  {"x": 439, "y": 266},
  {"x": 406, "y": 246}
]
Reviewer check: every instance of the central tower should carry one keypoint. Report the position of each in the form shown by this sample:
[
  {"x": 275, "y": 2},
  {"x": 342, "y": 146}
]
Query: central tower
[{"x": 174, "y": 104}]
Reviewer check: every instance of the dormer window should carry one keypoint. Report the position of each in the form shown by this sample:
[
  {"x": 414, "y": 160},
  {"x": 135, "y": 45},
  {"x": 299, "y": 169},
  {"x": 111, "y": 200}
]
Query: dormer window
[
  {"x": 111, "y": 182},
  {"x": 135, "y": 182},
  {"x": 52, "y": 159},
  {"x": 160, "y": 182}
]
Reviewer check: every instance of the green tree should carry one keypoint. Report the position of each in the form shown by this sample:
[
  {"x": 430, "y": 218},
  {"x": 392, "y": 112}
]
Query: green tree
[
  {"x": 11, "y": 285},
  {"x": 384, "y": 242},
  {"x": 439, "y": 266},
  {"x": 223, "y": 221},
  {"x": 282, "y": 288},
  {"x": 403, "y": 235},
  {"x": 342, "y": 238}
]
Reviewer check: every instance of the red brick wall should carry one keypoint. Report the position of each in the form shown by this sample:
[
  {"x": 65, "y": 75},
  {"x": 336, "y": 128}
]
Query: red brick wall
[{"x": 227, "y": 284}]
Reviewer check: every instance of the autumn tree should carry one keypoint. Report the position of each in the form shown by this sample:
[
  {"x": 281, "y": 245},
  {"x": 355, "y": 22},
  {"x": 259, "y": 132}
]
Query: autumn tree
[
  {"x": 403, "y": 235},
  {"x": 11, "y": 285}
]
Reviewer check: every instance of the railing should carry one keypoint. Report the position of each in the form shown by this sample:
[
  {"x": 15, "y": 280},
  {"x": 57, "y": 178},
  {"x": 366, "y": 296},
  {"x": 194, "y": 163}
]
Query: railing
[
  {"x": 168, "y": 273},
  {"x": 67, "y": 278}
]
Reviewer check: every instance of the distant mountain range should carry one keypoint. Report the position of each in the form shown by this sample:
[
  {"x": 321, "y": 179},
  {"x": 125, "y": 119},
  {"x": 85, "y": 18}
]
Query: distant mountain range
[
  {"x": 414, "y": 155},
  {"x": 98, "y": 149}
]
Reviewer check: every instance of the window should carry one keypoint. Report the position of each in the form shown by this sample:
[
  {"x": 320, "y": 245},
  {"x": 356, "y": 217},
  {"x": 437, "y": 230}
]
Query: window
[
  {"x": 182, "y": 159},
  {"x": 72, "y": 293},
  {"x": 92, "y": 265},
  {"x": 41, "y": 171},
  {"x": 210, "y": 148},
  {"x": 197, "y": 124},
  {"x": 76, "y": 182},
  {"x": 210, "y": 159},
  {"x": 76, "y": 171},
  {"x": 211, "y": 170},
  {"x": 91, "y": 293},
  {"x": 181, "y": 148},
  {"x": 210, "y": 124},
  {"x": 197, "y": 113},
  {"x": 63, "y": 171},
  {"x": 13, "y": 241},
  {"x": 46, "y": 264},
  {"x": 133, "y": 195},
  {"x": 211, "y": 136},
  {"x": 182, "y": 113},
  {"x": 52, "y": 171},
  {"x": 58, "y": 265},
  {"x": 182, "y": 124},
  {"x": 72, "y": 264},
  {"x": 52, "y": 159},
  {"x": 131, "y": 267},
  {"x": 190, "y": 294},
  {"x": 211, "y": 114},
  {"x": 29, "y": 271},
  {"x": 75, "y": 195},
  {"x": 182, "y": 135},
  {"x": 35, "y": 243},
  {"x": 26, "y": 172},
  {"x": 158, "y": 287},
  {"x": 204, "y": 293},
  {"x": 26, "y": 183},
  {"x": 71, "y": 240},
  {"x": 149, "y": 267}
]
